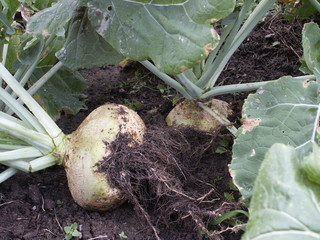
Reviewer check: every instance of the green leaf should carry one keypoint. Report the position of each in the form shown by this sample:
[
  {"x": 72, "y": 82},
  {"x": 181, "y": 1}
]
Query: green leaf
[
  {"x": 305, "y": 9},
  {"x": 12, "y": 55},
  {"x": 311, "y": 47},
  {"x": 62, "y": 92},
  {"x": 90, "y": 48},
  {"x": 76, "y": 233},
  {"x": 311, "y": 165},
  {"x": 30, "y": 50},
  {"x": 52, "y": 21},
  {"x": 162, "y": 2},
  {"x": 3, "y": 19},
  {"x": 50, "y": 54},
  {"x": 11, "y": 6},
  {"x": 173, "y": 36},
  {"x": 285, "y": 111},
  {"x": 38, "y": 5},
  {"x": 228, "y": 215},
  {"x": 285, "y": 204}
]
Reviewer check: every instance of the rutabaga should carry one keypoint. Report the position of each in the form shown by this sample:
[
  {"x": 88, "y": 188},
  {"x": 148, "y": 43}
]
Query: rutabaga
[
  {"x": 35, "y": 142},
  {"x": 88, "y": 145}
]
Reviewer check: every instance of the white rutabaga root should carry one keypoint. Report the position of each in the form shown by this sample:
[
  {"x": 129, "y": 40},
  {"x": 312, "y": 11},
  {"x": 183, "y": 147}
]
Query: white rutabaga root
[{"x": 89, "y": 145}]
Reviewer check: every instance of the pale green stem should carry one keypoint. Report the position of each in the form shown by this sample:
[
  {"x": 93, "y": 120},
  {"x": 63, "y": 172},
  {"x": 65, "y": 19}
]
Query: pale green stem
[
  {"x": 10, "y": 147},
  {"x": 36, "y": 86},
  {"x": 25, "y": 71},
  {"x": 39, "y": 83},
  {"x": 228, "y": 36},
  {"x": 45, "y": 120},
  {"x": 7, "y": 174},
  {"x": 258, "y": 13},
  {"x": 41, "y": 141},
  {"x": 219, "y": 117},
  {"x": 4, "y": 55},
  {"x": 190, "y": 75},
  {"x": 232, "y": 88},
  {"x": 29, "y": 72},
  {"x": 167, "y": 79},
  {"x": 240, "y": 20},
  {"x": 23, "y": 153},
  {"x": 316, "y": 4},
  {"x": 213, "y": 54},
  {"x": 13, "y": 119},
  {"x": 20, "y": 72},
  {"x": 244, "y": 87},
  {"x": 5, "y": 52},
  {"x": 34, "y": 165},
  {"x": 18, "y": 164},
  {"x": 32, "y": 67},
  {"x": 17, "y": 76},
  {"x": 21, "y": 111},
  {"x": 197, "y": 69},
  {"x": 4, "y": 59},
  {"x": 193, "y": 90},
  {"x": 43, "y": 162}
]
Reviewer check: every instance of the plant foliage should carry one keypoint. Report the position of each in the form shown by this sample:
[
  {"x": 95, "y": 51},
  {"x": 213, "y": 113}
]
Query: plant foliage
[
  {"x": 175, "y": 35},
  {"x": 285, "y": 204}
]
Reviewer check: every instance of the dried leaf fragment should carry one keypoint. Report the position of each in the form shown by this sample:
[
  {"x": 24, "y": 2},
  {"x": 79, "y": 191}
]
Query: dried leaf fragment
[{"x": 250, "y": 124}]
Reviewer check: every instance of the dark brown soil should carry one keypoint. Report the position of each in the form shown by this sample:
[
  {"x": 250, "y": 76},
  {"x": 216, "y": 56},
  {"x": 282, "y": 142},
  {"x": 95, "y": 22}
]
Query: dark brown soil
[{"x": 39, "y": 205}]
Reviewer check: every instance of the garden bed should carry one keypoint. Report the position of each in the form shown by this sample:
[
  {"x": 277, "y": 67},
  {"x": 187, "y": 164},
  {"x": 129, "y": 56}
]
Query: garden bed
[{"x": 39, "y": 205}]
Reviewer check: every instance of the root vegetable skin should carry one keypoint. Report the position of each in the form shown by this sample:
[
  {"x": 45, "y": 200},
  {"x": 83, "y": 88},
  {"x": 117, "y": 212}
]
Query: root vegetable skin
[
  {"x": 189, "y": 114},
  {"x": 88, "y": 145}
]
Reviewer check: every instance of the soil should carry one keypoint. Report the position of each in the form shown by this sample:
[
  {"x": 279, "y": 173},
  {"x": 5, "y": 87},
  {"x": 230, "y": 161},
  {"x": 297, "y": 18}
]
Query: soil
[{"x": 39, "y": 205}]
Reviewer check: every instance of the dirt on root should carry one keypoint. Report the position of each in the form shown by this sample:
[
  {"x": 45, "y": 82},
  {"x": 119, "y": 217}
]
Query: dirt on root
[
  {"x": 164, "y": 180},
  {"x": 39, "y": 205}
]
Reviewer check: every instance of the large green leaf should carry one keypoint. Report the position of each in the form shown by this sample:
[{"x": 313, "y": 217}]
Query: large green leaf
[
  {"x": 285, "y": 111},
  {"x": 174, "y": 37},
  {"x": 174, "y": 34},
  {"x": 61, "y": 93},
  {"x": 285, "y": 204},
  {"x": 84, "y": 47}
]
